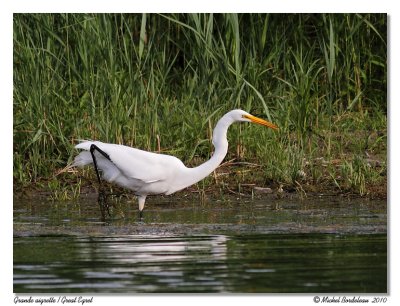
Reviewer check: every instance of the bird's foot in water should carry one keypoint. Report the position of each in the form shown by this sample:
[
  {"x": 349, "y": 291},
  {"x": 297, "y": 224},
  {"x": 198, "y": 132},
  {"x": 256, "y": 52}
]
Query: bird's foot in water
[
  {"x": 104, "y": 207},
  {"x": 140, "y": 215}
]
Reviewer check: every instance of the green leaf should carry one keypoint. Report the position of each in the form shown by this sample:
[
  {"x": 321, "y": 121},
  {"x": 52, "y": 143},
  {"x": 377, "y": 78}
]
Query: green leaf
[{"x": 142, "y": 35}]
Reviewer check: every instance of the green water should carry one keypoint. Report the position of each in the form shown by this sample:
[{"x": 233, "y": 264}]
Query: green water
[{"x": 286, "y": 247}]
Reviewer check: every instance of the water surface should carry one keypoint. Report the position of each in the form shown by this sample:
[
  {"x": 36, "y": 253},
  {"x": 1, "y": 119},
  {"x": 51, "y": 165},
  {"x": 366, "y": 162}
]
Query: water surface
[{"x": 323, "y": 245}]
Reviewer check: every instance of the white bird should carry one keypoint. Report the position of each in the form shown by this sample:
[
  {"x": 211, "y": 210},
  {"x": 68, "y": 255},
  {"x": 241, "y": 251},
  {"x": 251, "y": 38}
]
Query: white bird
[{"x": 148, "y": 173}]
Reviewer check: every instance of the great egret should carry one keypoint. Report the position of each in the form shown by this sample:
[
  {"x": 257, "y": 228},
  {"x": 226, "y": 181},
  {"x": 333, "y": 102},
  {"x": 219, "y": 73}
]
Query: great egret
[{"x": 148, "y": 173}]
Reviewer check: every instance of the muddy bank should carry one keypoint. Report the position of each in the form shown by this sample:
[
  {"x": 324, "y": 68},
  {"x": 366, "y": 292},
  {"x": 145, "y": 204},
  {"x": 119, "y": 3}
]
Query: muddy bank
[
  {"x": 180, "y": 216},
  {"x": 21, "y": 230}
]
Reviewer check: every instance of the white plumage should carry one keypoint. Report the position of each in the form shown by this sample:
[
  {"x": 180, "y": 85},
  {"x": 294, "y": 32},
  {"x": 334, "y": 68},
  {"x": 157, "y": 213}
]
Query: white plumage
[{"x": 148, "y": 173}]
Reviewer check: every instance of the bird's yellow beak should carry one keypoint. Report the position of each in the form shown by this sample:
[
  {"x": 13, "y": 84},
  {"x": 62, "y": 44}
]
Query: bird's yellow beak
[{"x": 261, "y": 121}]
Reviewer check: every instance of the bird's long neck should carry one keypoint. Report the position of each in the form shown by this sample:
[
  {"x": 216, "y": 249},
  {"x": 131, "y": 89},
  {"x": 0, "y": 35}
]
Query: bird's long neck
[{"x": 221, "y": 148}]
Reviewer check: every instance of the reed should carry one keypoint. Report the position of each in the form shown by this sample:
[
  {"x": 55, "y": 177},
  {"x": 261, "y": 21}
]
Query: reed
[{"x": 160, "y": 82}]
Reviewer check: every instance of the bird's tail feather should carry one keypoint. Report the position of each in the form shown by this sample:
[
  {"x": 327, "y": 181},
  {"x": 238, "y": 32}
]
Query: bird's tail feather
[
  {"x": 82, "y": 159},
  {"x": 85, "y": 145},
  {"x": 109, "y": 171}
]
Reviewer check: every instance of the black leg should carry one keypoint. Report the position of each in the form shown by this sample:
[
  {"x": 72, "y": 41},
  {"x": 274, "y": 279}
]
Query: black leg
[
  {"x": 103, "y": 205},
  {"x": 102, "y": 199},
  {"x": 92, "y": 148}
]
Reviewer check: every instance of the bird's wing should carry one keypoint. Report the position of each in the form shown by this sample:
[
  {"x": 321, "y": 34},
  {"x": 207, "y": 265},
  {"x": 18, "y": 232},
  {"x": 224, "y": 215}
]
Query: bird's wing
[{"x": 134, "y": 163}]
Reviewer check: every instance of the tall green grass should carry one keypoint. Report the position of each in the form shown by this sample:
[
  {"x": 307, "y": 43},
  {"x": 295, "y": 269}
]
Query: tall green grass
[{"x": 160, "y": 82}]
